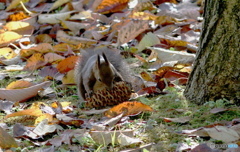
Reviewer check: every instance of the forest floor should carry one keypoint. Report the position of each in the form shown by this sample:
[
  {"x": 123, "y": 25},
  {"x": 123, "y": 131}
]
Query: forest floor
[{"x": 40, "y": 43}]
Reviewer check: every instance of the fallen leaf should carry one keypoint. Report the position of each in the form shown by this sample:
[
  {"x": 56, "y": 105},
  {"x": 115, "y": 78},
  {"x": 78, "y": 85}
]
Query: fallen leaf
[
  {"x": 43, "y": 38},
  {"x": 67, "y": 64},
  {"x": 167, "y": 55},
  {"x": 22, "y": 94},
  {"x": 7, "y": 53},
  {"x": 222, "y": 133},
  {"x": 131, "y": 30},
  {"x": 58, "y": 3},
  {"x": 217, "y": 110},
  {"x": 53, "y": 57},
  {"x": 179, "y": 120},
  {"x": 149, "y": 39},
  {"x": 6, "y": 140},
  {"x": 125, "y": 140},
  {"x": 34, "y": 62},
  {"x": 69, "y": 78},
  {"x": 43, "y": 128},
  {"x": 8, "y": 37},
  {"x": 19, "y": 84},
  {"x": 108, "y": 6},
  {"x": 14, "y": 4},
  {"x": 128, "y": 108},
  {"x": 149, "y": 91},
  {"x": 107, "y": 137},
  {"x": 54, "y": 18},
  {"x": 146, "y": 76},
  {"x": 80, "y": 42}
]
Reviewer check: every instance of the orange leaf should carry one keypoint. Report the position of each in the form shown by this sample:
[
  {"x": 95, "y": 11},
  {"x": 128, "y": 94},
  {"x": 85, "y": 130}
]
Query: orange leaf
[
  {"x": 31, "y": 112},
  {"x": 173, "y": 75},
  {"x": 34, "y": 62},
  {"x": 67, "y": 64},
  {"x": 19, "y": 84},
  {"x": 109, "y": 6},
  {"x": 128, "y": 108},
  {"x": 162, "y": 71},
  {"x": 17, "y": 16}
]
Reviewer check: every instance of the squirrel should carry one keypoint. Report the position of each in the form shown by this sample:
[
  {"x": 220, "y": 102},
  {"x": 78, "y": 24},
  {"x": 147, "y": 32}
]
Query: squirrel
[{"x": 99, "y": 69}]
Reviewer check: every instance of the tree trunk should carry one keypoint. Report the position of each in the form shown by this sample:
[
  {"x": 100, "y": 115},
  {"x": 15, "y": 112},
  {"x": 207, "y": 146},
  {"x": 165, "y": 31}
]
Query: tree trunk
[{"x": 216, "y": 70}]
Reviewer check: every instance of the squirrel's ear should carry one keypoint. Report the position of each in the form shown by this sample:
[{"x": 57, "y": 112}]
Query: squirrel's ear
[
  {"x": 98, "y": 62},
  {"x": 105, "y": 58}
]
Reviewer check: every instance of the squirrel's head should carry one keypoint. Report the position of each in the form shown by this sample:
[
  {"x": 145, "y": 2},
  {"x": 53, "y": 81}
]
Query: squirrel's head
[{"x": 104, "y": 72}]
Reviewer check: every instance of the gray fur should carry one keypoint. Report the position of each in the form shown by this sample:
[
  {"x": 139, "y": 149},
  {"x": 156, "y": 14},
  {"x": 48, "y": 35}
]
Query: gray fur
[{"x": 84, "y": 74}]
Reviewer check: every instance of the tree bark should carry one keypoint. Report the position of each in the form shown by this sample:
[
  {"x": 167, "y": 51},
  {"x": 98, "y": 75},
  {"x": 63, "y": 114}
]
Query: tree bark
[{"x": 216, "y": 70}]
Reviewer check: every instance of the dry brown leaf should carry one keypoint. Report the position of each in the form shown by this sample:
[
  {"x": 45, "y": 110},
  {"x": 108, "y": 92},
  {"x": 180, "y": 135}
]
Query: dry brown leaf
[
  {"x": 157, "y": 2},
  {"x": 223, "y": 133},
  {"x": 19, "y": 84},
  {"x": 8, "y": 37},
  {"x": 21, "y": 94},
  {"x": 53, "y": 58},
  {"x": 179, "y": 120},
  {"x": 67, "y": 64},
  {"x": 174, "y": 43},
  {"x": 84, "y": 42},
  {"x": 109, "y": 6},
  {"x": 43, "y": 38},
  {"x": 128, "y": 108},
  {"x": 217, "y": 110},
  {"x": 6, "y": 140},
  {"x": 140, "y": 7},
  {"x": 62, "y": 47},
  {"x": 131, "y": 30},
  {"x": 165, "y": 20},
  {"x": 34, "y": 62},
  {"x": 42, "y": 48}
]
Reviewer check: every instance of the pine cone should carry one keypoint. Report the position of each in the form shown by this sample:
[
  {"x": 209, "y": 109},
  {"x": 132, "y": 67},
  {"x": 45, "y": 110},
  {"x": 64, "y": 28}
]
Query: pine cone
[{"x": 121, "y": 92}]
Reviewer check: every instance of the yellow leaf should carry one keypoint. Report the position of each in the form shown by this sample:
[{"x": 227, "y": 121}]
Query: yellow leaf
[
  {"x": 15, "y": 3},
  {"x": 8, "y": 37},
  {"x": 19, "y": 84},
  {"x": 69, "y": 78}
]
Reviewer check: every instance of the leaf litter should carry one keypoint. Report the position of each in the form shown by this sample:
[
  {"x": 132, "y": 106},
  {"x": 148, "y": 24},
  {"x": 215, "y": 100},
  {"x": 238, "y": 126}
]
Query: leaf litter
[{"x": 160, "y": 37}]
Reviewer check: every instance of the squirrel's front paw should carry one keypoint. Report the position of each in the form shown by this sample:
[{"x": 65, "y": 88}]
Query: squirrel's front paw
[{"x": 89, "y": 94}]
